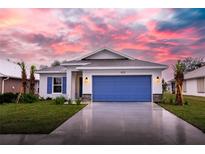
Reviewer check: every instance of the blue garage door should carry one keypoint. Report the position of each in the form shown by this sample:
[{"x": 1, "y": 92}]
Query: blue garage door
[{"x": 122, "y": 88}]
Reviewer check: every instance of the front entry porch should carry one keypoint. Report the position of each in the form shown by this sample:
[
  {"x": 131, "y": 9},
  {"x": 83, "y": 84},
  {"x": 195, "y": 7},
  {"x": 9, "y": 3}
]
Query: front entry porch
[{"x": 76, "y": 84}]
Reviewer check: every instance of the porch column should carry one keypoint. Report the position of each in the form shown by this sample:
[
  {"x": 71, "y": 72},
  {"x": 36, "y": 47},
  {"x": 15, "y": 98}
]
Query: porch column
[{"x": 69, "y": 83}]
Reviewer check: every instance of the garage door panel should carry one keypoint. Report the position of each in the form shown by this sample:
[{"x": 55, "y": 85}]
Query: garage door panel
[{"x": 122, "y": 88}]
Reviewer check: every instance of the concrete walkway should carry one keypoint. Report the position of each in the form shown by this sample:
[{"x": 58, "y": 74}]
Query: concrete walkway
[{"x": 117, "y": 123}]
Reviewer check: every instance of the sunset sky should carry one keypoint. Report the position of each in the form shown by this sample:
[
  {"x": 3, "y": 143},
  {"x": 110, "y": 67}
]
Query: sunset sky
[{"x": 39, "y": 36}]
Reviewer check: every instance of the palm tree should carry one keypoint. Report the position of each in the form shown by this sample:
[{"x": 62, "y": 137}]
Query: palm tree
[
  {"x": 179, "y": 68},
  {"x": 23, "y": 76},
  {"x": 32, "y": 80}
]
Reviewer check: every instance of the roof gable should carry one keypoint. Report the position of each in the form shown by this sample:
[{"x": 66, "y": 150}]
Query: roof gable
[{"x": 105, "y": 54}]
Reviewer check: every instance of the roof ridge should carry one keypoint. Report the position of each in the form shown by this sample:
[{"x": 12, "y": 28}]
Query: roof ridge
[{"x": 101, "y": 49}]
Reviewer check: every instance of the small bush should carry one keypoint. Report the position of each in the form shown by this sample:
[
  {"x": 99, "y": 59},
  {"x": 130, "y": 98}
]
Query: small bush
[
  {"x": 8, "y": 98},
  {"x": 78, "y": 101},
  {"x": 59, "y": 100},
  {"x": 42, "y": 99},
  {"x": 186, "y": 102},
  {"x": 163, "y": 101},
  {"x": 168, "y": 98},
  {"x": 48, "y": 98},
  {"x": 28, "y": 98},
  {"x": 70, "y": 101},
  {"x": 1, "y": 99},
  {"x": 171, "y": 100}
]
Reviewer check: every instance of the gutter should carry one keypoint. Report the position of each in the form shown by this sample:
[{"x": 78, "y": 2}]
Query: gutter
[
  {"x": 74, "y": 64},
  {"x": 130, "y": 67},
  {"x": 39, "y": 72},
  {"x": 2, "y": 86}
]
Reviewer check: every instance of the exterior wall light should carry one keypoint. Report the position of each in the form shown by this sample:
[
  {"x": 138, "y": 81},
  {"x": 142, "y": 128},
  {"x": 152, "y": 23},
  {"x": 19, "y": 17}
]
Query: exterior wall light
[
  {"x": 157, "y": 79},
  {"x": 86, "y": 79}
]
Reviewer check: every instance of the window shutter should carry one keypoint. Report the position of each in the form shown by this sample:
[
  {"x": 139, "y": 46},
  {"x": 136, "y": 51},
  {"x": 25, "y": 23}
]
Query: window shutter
[
  {"x": 184, "y": 86},
  {"x": 64, "y": 85},
  {"x": 200, "y": 85},
  {"x": 49, "y": 85}
]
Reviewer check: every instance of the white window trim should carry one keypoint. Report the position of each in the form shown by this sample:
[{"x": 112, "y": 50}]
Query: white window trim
[{"x": 53, "y": 85}]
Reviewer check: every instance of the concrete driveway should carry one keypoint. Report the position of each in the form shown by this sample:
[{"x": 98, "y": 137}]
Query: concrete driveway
[
  {"x": 122, "y": 123},
  {"x": 125, "y": 123}
]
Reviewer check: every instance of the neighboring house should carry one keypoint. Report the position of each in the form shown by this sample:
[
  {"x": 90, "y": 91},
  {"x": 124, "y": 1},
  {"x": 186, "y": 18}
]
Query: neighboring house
[
  {"x": 10, "y": 77},
  {"x": 103, "y": 76},
  {"x": 194, "y": 82},
  {"x": 171, "y": 86}
]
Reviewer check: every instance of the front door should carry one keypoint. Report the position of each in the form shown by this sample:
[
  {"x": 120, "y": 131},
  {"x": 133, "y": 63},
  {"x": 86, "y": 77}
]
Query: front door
[{"x": 80, "y": 86}]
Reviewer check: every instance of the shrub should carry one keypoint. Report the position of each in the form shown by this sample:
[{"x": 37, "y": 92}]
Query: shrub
[
  {"x": 48, "y": 98},
  {"x": 41, "y": 99},
  {"x": 28, "y": 98},
  {"x": 70, "y": 101},
  {"x": 8, "y": 98},
  {"x": 78, "y": 101},
  {"x": 1, "y": 99},
  {"x": 162, "y": 100},
  {"x": 171, "y": 100},
  {"x": 186, "y": 102},
  {"x": 59, "y": 100},
  {"x": 168, "y": 98}
]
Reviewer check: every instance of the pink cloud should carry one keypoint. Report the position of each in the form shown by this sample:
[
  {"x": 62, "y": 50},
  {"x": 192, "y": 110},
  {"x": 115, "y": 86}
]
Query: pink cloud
[
  {"x": 62, "y": 48},
  {"x": 34, "y": 34}
]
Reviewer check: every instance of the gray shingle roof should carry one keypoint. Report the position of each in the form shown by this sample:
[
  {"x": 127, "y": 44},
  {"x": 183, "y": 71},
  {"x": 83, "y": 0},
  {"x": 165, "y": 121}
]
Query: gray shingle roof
[
  {"x": 52, "y": 69},
  {"x": 12, "y": 69},
  {"x": 101, "y": 63},
  {"x": 115, "y": 63},
  {"x": 200, "y": 72}
]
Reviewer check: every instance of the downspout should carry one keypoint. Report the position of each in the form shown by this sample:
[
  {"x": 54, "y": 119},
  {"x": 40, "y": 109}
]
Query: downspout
[{"x": 2, "y": 86}]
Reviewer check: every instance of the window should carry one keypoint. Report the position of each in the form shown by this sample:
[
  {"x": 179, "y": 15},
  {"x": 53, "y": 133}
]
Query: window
[
  {"x": 57, "y": 85},
  {"x": 184, "y": 86},
  {"x": 200, "y": 85}
]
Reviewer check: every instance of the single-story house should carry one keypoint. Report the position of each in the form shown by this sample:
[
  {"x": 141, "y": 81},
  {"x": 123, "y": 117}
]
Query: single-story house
[
  {"x": 103, "y": 76},
  {"x": 194, "y": 82},
  {"x": 10, "y": 77}
]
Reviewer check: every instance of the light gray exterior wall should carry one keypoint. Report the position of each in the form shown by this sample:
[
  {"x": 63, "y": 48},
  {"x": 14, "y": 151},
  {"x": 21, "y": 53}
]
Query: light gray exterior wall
[
  {"x": 72, "y": 79},
  {"x": 191, "y": 88},
  {"x": 43, "y": 85}
]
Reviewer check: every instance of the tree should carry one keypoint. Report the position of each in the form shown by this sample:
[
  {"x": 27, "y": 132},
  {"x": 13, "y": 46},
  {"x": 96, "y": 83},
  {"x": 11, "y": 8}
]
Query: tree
[
  {"x": 164, "y": 86},
  {"x": 179, "y": 69},
  {"x": 23, "y": 76},
  {"x": 193, "y": 63},
  {"x": 56, "y": 63},
  {"x": 32, "y": 79}
]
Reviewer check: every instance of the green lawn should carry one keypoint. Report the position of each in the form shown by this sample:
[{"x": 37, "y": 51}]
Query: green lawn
[
  {"x": 35, "y": 118},
  {"x": 193, "y": 113}
]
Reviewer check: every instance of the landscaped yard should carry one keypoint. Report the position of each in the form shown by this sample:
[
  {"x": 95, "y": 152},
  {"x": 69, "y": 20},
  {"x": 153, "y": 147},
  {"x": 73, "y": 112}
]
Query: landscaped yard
[
  {"x": 193, "y": 113},
  {"x": 35, "y": 118}
]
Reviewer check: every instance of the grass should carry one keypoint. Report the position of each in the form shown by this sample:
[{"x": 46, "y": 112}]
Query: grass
[
  {"x": 36, "y": 118},
  {"x": 194, "y": 112}
]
